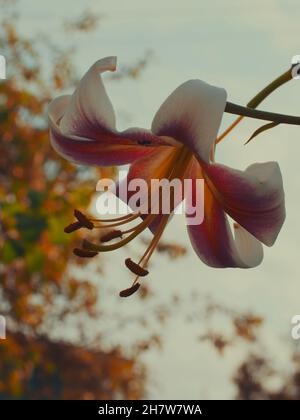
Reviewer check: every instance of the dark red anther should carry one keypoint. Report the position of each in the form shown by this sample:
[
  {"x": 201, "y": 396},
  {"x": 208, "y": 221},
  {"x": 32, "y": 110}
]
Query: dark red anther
[
  {"x": 83, "y": 219},
  {"x": 111, "y": 235},
  {"x": 84, "y": 253},
  {"x": 130, "y": 290},
  {"x": 89, "y": 246},
  {"x": 72, "y": 227},
  {"x": 135, "y": 268}
]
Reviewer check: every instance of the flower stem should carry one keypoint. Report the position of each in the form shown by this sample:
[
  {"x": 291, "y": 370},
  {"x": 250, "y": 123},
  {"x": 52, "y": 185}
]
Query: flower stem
[
  {"x": 255, "y": 101},
  {"x": 261, "y": 115}
]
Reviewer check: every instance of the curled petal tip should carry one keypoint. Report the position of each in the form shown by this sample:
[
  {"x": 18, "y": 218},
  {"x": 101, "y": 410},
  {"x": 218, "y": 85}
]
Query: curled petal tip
[{"x": 107, "y": 63}]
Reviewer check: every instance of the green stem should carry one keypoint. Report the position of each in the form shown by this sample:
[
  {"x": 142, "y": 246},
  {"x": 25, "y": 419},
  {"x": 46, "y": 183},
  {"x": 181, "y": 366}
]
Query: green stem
[
  {"x": 279, "y": 81},
  {"x": 257, "y": 99},
  {"x": 261, "y": 115}
]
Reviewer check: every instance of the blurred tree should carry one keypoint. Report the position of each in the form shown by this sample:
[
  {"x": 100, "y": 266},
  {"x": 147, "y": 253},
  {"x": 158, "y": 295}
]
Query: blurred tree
[
  {"x": 253, "y": 377},
  {"x": 256, "y": 377},
  {"x": 38, "y": 191},
  {"x": 39, "y": 368}
]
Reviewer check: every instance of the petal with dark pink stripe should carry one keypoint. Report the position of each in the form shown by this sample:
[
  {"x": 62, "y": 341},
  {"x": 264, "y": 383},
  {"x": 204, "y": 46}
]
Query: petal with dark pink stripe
[
  {"x": 254, "y": 198},
  {"x": 213, "y": 241},
  {"x": 89, "y": 151},
  {"x": 192, "y": 115},
  {"x": 82, "y": 125}
]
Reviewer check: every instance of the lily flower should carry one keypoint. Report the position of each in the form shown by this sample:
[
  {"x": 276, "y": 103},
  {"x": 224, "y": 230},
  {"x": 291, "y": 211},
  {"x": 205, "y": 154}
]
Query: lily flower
[{"x": 179, "y": 145}]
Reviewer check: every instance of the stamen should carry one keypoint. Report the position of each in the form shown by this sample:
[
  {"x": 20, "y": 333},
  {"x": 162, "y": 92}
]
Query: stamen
[
  {"x": 111, "y": 235},
  {"x": 130, "y": 290},
  {"x": 83, "y": 219},
  {"x": 130, "y": 218},
  {"x": 72, "y": 227},
  {"x": 180, "y": 159},
  {"x": 84, "y": 253},
  {"x": 89, "y": 246},
  {"x": 116, "y": 219},
  {"x": 139, "y": 228},
  {"x": 175, "y": 166},
  {"x": 176, "y": 171},
  {"x": 153, "y": 244},
  {"x": 136, "y": 268}
]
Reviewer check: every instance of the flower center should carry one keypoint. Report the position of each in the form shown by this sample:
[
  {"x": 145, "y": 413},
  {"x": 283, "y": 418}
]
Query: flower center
[{"x": 174, "y": 167}]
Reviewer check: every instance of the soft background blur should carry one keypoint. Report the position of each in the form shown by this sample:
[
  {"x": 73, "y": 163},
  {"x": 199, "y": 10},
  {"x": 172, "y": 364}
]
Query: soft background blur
[{"x": 195, "y": 332}]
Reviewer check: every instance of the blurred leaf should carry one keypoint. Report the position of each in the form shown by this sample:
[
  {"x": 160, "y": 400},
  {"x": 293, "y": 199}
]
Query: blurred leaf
[
  {"x": 11, "y": 250},
  {"x": 36, "y": 198},
  {"x": 34, "y": 260},
  {"x": 30, "y": 226}
]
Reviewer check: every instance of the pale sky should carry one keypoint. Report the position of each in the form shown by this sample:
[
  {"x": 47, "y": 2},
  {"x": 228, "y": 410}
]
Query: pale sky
[{"x": 240, "y": 46}]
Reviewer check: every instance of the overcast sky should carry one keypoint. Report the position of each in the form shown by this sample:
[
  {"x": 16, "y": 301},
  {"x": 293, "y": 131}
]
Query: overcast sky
[{"x": 240, "y": 46}]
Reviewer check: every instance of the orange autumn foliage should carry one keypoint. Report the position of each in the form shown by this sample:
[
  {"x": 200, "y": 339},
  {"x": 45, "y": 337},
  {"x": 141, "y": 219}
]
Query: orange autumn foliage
[
  {"x": 37, "y": 193},
  {"x": 39, "y": 368}
]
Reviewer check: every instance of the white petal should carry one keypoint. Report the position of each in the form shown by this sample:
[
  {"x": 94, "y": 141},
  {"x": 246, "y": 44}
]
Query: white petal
[
  {"x": 192, "y": 115},
  {"x": 57, "y": 107},
  {"x": 249, "y": 249},
  {"x": 90, "y": 108}
]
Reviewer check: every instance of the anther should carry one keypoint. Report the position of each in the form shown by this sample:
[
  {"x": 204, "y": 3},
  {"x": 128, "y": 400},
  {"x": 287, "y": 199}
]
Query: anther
[
  {"x": 72, "y": 227},
  {"x": 111, "y": 235},
  {"x": 83, "y": 219},
  {"x": 135, "y": 268},
  {"x": 84, "y": 253},
  {"x": 87, "y": 245},
  {"x": 130, "y": 291}
]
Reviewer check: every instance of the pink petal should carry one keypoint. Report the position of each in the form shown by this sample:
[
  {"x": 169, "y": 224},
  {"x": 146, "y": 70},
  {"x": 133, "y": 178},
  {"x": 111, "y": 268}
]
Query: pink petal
[
  {"x": 147, "y": 169},
  {"x": 90, "y": 111},
  {"x": 82, "y": 126},
  {"x": 213, "y": 241},
  {"x": 254, "y": 198},
  {"x": 112, "y": 150},
  {"x": 192, "y": 115}
]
